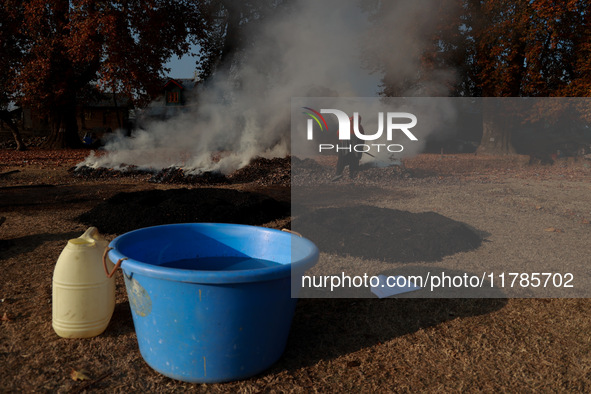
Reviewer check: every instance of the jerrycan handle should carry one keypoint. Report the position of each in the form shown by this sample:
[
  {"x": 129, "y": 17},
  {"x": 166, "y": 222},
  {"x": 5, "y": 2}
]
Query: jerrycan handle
[
  {"x": 110, "y": 275},
  {"x": 90, "y": 234}
]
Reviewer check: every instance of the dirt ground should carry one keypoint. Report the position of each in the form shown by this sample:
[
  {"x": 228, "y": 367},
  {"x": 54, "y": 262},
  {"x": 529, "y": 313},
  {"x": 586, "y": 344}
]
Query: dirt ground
[{"x": 524, "y": 212}]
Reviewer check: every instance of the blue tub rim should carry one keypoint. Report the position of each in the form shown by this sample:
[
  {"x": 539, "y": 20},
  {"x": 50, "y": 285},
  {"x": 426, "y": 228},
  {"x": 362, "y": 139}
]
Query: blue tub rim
[{"x": 130, "y": 265}]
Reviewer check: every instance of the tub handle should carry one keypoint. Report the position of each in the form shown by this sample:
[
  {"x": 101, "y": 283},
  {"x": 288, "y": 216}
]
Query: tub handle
[
  {"x": 109, "y": 275},
  {"x": 292, "y": 232}
]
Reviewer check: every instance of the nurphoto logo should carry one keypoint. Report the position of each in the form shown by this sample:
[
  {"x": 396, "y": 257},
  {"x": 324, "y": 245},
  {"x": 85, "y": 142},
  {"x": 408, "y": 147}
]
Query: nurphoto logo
[{"x": 350, "y": 130}]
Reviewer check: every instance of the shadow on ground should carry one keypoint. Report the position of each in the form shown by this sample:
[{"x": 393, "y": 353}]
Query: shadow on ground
[
  {"x": 58, "y": 197},
  {"x": 17, "y": 246},
  {"x": 386, "y": 234},
  {"x": 129, "y": 211},
  {"x": 325, "y": 329},
  {"x": 121, "y": 322}
]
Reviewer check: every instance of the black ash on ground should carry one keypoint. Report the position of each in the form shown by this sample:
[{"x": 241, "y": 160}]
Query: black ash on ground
[
  {"x": 129, "y": 211},
  {"x": 386, "y": 234}
]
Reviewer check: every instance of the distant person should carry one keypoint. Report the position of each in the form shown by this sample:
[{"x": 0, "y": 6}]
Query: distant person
[
  {"x": 88, "y": 138},
  {"x": 347, "y": 156}
]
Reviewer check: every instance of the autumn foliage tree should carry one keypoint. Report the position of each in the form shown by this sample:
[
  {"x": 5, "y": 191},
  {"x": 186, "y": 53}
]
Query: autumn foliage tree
[
  {"x": 525, "y": 48},
  {"x": 495, "y": 48},
  {"x": 65, "y": 45},
  {"x": 10, "y": 53},
  {"x": 231, "y": 26}
]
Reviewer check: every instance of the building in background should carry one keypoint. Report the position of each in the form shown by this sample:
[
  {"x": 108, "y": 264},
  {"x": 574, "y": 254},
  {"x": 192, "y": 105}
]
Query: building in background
[
  {"x": 176, "y": 98},
  {"x": 107, "y": 112},
  {"x": 177, "y": 91},
  {"x": 104, "y": 113}
]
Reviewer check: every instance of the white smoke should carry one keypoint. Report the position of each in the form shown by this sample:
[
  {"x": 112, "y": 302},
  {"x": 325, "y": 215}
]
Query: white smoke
[{"x": 314, "y": 50}]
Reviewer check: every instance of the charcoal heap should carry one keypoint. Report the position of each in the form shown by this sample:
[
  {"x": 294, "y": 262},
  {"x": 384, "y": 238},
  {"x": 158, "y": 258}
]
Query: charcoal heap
[
  {"x": 176, "y": 175},
  {"x": 264, "y": 172},
  {"x": 261, "y": 171},
  {"x": 86, "y": 172},
  {"x": 308, "y": 170},
  {"x": 168, "y": 175}
]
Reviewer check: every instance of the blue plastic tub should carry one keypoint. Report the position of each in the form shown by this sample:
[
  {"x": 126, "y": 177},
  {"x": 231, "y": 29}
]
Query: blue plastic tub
[{"x": 211, "y": 302}]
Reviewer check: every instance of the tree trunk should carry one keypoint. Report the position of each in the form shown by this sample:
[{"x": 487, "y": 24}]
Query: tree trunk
[
  {"x": 496, "y": 130},
  {"x": 64, "y": 129},
  {"x": 82, "y": 118},
  {"x": 7, "y": 118},
  {"x": 232, "y": 38},
  {"x": 117, "y": 113}
]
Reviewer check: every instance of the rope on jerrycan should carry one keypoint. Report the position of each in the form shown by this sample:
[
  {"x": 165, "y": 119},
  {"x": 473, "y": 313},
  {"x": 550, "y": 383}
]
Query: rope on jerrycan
[{"x": 109, "y": 275}]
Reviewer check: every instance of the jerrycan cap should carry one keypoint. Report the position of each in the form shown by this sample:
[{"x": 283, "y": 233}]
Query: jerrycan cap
[{"x": 89, "y": 238}]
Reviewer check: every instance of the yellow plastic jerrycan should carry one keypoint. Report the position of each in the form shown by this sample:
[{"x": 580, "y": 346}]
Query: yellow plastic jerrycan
[{"x": 83, "y": 296}]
